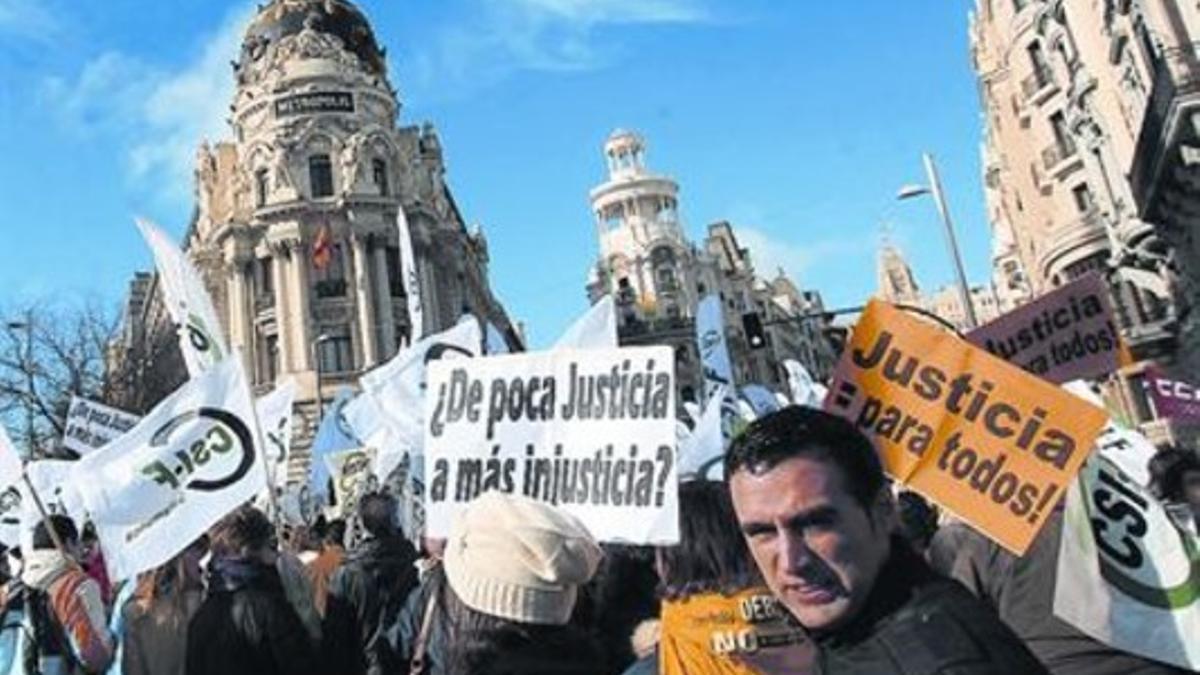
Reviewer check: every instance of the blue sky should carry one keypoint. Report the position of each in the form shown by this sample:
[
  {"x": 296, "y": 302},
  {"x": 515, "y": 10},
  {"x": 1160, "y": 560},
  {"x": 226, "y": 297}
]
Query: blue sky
[{"x": 797, "y": 121}]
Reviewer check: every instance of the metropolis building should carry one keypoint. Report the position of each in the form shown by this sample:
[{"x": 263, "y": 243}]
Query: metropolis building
[
  {"x": 657, "y": 277},
  {"x": 295, "y": 229}
]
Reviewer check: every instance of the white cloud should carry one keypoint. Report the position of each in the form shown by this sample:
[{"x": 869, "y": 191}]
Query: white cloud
[
  {"x": 27, "y": 18},
  {"x": 160, "y": 115},
  {"x": 505, "y": 36},
  {"x": 771, "y": 253}
]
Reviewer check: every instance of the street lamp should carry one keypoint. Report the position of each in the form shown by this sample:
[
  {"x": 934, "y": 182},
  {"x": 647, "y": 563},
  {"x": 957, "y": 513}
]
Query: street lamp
[
  {"x": 27, "y": 365},
  {"x": 321, "y": 339},
  {"x": 935, "y": 188}
]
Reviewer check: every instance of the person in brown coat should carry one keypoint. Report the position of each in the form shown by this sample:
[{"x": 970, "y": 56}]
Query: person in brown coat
[{"x": 321, "y": 570}]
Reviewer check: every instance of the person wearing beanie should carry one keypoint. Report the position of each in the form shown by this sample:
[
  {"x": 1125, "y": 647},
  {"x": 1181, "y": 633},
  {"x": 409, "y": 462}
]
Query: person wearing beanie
[{"x": 502, "y": 600}]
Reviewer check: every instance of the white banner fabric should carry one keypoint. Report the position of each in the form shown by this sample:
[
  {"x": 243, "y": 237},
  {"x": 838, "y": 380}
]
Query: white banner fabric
[
  {"x": 1127, "y": 575},
  {"x": 596, "y": 329},
  {"x": 192, "y": 460},
  {"x": 590, "y": 431}
]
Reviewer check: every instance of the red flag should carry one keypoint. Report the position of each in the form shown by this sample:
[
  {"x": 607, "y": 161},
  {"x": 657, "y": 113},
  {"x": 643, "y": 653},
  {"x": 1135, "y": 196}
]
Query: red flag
[{"x": 322, "y": 251}]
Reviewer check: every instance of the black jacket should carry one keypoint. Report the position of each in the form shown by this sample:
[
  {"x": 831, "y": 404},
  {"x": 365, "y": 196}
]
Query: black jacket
[
  {"x": 246, "y": 626},
  {"x": 366, "y": 595},
  {"x": 916, "y": 622},
  {"x": 1021, "y": 589}
]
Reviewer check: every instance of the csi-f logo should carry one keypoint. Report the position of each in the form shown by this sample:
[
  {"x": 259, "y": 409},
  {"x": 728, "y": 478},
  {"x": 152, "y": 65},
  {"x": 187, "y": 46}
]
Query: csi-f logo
[
  {"x": 200, "y": 338},
  {"x": 215, "y": 433}
]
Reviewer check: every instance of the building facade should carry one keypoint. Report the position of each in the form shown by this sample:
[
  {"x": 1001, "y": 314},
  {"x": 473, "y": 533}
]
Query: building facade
[
  {"x": 657, "y": 277},
  {"x": 897, "y": 284},
  {"x": 295, "y": 229},
  {"x": 1066, "y": 89}
]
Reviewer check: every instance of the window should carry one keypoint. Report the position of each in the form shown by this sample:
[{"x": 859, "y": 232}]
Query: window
[
  {"x": 1019, "y": 5},
  {"x": 379, "y": 173},
  {"x": 666, "y": 280},
  {"x": 271, "y": 364},
  {"x": 262, "y": 187},
  {"x": 1062, "y": 135},
  {"x": 1083, "y": 198},
  {"x": 395, "y": 275},
  {"x": 1041, "y": 70},
  {"x": 264, "y": 283},
  {"x": 320, "y": 176},
  {"x": 331, "y": 281},
  {"x": 336, "y": 352}
]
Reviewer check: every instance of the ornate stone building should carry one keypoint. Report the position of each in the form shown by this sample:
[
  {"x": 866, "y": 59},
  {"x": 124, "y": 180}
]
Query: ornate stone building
[
  {"x": 658, "y": 276},
  {"x": 898, "y": 284},
  {"x": 295, "y": 225},
  {"x": 1071, "y": 176}
]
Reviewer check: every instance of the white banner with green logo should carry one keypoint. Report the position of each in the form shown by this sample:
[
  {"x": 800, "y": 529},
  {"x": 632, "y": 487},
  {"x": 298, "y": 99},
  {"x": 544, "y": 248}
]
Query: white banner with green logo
[{"x": 1127, "y": 575}]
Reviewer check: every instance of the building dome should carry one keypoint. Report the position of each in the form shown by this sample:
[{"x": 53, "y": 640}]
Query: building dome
[{"x": 339, "y": 18}]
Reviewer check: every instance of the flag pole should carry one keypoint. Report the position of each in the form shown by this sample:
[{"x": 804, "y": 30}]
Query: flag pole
[{"x": 50, "y": 529}]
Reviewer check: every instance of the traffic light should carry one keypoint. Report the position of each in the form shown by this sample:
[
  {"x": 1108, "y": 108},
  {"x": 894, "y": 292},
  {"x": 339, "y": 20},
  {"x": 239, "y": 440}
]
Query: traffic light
[{"x": 753, "y": 326}]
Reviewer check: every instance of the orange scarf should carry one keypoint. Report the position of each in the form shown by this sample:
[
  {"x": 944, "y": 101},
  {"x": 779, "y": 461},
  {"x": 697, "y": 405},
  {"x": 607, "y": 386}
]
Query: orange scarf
[{"x": 743, "y": 634}]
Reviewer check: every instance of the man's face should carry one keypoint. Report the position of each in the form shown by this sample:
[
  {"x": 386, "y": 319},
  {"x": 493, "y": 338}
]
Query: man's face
[{"x": 819, "y": 549}]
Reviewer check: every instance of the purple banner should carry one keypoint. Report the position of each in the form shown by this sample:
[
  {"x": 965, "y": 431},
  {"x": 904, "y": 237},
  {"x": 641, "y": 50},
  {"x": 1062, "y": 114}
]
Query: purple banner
[
  {"x": 1065, "y": 335},
  {"x": 1173, "y": 399}
]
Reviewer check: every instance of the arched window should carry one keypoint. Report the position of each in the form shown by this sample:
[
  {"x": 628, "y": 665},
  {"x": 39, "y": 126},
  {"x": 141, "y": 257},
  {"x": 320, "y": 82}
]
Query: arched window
[
  {"x": 262, "y": 186},
  {"x": 380, "y": 176}
]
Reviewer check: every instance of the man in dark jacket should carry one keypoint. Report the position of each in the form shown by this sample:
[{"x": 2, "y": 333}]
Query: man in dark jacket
[
  {"x": 368, "y": 591},
  {"x": 246, "y": 625},
  {"x": 810, "y": 497}
]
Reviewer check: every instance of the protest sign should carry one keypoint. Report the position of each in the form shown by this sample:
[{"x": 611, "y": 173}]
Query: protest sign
[
  {"x": 353, "y": 476},
  {"x": 591, "y": 431},
  {"x": 1173, "y": 399},
  {"x": 275, "y": 416},
  {"x": 187, "y": 302},
  {"x": 1127, "y": 576},
  {"x": 597, "y": 329},
  {"x": 10, "y": 494},
  {"x": 190, "y": 461},
  {"x": 92, "y": 425},
  {"x": 1067, "y": 334},
  {"x": 991, "y": 443}
]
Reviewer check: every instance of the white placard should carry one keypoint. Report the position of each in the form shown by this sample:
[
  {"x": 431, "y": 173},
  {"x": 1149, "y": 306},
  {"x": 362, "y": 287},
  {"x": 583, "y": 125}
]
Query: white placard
[
  {"x": 92, "y": 425},
  {"x": 591, "y": 431}
]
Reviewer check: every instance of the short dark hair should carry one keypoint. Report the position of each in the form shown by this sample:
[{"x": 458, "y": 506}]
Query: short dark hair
[
  {"x": 711, "y": 556},
  {"x": 335, "y": 532},
  {"x": 244, "y": 528},
  {"x": 378, "y": 513},
  {"x": 1166, "y": 472},
  {"x": 800, "y": 431},
  {"x": 63, "y": 526}
]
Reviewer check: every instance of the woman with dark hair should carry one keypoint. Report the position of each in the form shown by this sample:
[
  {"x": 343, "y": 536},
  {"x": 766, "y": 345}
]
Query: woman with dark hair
[
  {"x": 156, "y": 618},
  {"x": 246, "y": 626},
  {"x": 718, "y": 618},
  {"x": 501, "y": 602}
]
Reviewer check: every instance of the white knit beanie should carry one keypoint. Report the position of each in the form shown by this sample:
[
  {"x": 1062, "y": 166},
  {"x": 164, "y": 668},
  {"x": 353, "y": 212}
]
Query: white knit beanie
[{"x": 514, "y": 558}]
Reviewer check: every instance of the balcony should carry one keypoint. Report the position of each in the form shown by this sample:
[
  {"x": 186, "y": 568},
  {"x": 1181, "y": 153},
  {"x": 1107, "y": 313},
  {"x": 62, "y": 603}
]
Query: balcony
[
  {"x": 1060, "y": 159},
  {"x": 1039, "y": 87},
  {"x": 1071, "y": 244},
  {"x": 1166, "y": 143}
]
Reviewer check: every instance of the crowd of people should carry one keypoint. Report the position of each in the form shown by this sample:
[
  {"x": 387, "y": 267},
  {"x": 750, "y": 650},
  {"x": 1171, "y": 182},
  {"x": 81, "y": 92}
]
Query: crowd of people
[{"x": 804, "y": 560}]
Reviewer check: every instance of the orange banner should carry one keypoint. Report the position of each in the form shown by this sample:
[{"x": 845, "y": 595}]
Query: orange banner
[{"x": 994, "y": 445}]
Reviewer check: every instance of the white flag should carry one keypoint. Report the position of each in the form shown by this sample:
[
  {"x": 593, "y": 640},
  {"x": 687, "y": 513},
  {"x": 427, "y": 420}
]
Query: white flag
[
  {"x": 192, "y": 460},
  {"x": 58, "y": 492},
  {"x": 596, "y": 329},
  {"x": 701, "y": 453},
  {"x": 398, "y": 388},
  {"x": 804, "y": 389},
  {"x": 275, "y": 416},
  {"x": 92, "y": 425},
  {"x": 412, "y": 278},
  {"x": 353, "y": 475},
  {"x": 187, "y": 302},
  {"x": 10, "y": 492},
  {"x": 1127, "y": 575}
]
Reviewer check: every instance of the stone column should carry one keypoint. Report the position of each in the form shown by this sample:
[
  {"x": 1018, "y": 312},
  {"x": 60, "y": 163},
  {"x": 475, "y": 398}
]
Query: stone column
[
  {"x": 301, "y": 315},
  {"x": 282, "y": 316},
  {"x": 383, "y": 300},
  {"x": 362, "y": 297},
  {"x": 240, "y": 308}
]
